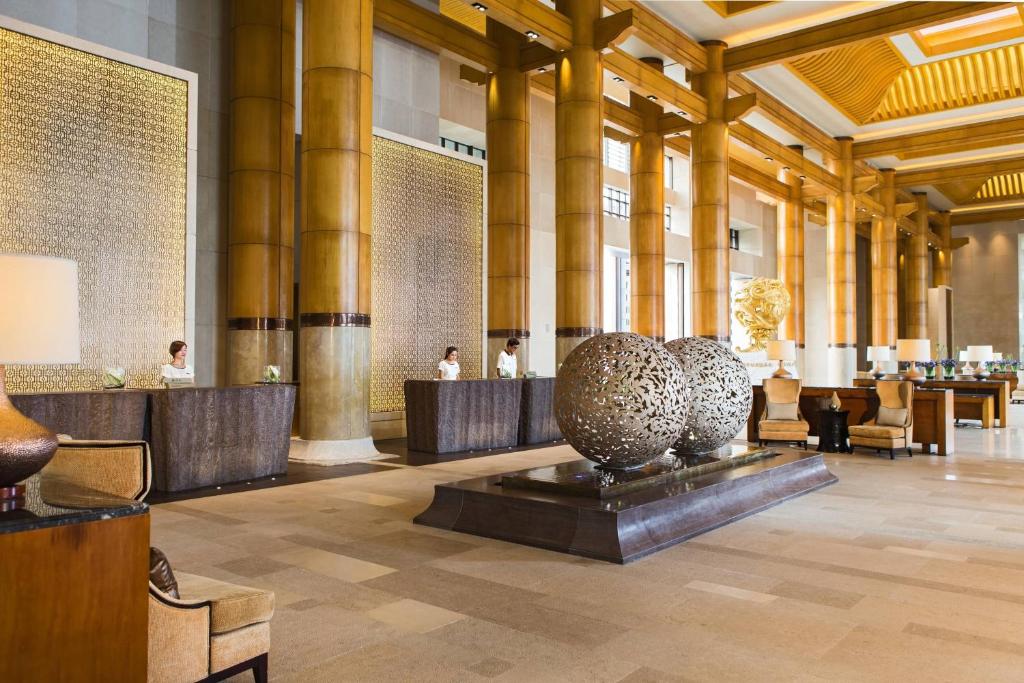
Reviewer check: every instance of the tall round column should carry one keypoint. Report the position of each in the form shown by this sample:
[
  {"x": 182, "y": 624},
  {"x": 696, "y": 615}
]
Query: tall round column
[
  {"x": 942, "y": 257},
  {"x": 579, "y": 228},
  {"x": 917, "y": 272},
  {"x": 790, "y": 254},
  {"x": 261, "y": 189},
  {"x": 884, "y": 302},
  {"x": 841, "y": 269},
  {"x": 508, "y": 200},
  {"x": 336, "y": 219},
  {"x": 647, "y": 225},
  {"x": 709, "y": 215}
]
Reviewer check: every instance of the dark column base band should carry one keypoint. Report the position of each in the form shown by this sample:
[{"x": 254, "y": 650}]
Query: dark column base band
[
  {"x": 334, "y": 320},
  {"x": 273, "y": 324},
  {"x": 508, "y": 332},
  {"x": 841, "y": 345},
  {"x": 714, "y": 337},
  {"x": 578, "y": 331}
]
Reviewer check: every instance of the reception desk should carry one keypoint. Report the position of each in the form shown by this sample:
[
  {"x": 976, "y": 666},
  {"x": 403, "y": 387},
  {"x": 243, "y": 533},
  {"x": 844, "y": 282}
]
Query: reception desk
[
  {"x": 537, "y": 422},
  {"x": 464, "y": 415},
  {"x": 933, "y": 412},
  {"x": 198, "y": 436}
]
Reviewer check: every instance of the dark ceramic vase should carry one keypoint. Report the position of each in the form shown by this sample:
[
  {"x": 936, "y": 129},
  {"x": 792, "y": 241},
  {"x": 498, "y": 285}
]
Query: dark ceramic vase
[{"x": 25, "y": 445}]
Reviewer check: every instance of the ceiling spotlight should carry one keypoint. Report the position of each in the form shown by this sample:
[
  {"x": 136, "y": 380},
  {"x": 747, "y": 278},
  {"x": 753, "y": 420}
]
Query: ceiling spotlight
[
  {"x": 478, "y": 6},
  {"x": 769, "y": 159},
  {"x": 680, "y": 113},
  {"x": 542, "y": 69},
  {"x": 652, "y": 98},
  {"x": 618, "y": 79},
  {"x": 803, "y": 177},
  {"x": 785, "y": 168},
  {"x": 532, "y": 35}
]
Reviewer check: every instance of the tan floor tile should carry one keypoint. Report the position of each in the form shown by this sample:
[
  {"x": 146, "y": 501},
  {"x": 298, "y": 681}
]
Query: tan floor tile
[
  {"x": 730, "y": 591},
  {"x": 413, "y": 615},
  {"x": 332, "y": 564},
  {"x": 370, "y": 498}
]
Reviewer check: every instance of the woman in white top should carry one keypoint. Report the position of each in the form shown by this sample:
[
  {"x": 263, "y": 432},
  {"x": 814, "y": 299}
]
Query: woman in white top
[
  {"x": 449, "y": 367},
  {"x": 177, "y": 369}
]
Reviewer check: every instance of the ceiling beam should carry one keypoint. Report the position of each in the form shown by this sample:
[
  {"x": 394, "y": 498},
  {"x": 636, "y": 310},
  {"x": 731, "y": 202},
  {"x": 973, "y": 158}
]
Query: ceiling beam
[
  {"x": 768, "y": 146},
  {"x": 972, "y": 171},
  {"x": 879, "y": 23},
  {"x": 645, "y": 80},
  {"x": 553, "y": 28},
  {"x": 434, "y": 32},
  {"x": 944, "y": 140},
  {"x": 1015, "y": 213},
  {"x": 663, "y": 36},
  {"x": 740, "y": 170},
  {"x": 784, "y": 117}
]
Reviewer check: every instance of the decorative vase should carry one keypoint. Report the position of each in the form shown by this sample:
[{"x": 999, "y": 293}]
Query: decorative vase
[
  {"x": 929, "y": 372},
  {"x": 948, "y": 373},
  {"x": 25, "y": 448}
]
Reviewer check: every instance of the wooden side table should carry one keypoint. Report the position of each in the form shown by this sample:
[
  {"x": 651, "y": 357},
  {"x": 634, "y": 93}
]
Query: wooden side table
[{"x": 833, "y": 431}]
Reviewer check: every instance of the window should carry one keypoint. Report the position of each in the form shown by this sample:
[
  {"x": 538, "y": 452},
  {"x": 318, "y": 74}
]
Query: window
[
  {"x": 463, "y": 148},
  {"x": 668, "y": 217},
  {"x": 734, "y": 239},
  {"x": 616, "y": 202},
  {"x": 669, "y": 179},
  {"x": 616, "y": 155},
  {"x": 622, "y": 294}
]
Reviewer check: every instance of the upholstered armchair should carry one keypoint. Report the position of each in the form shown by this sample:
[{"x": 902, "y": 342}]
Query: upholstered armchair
[
  {"x": 117, "y": 468},
  {"x": 892, "y": 427},
  {"x": 211, "y": 632},
  {"x": 781, "y": 419}
]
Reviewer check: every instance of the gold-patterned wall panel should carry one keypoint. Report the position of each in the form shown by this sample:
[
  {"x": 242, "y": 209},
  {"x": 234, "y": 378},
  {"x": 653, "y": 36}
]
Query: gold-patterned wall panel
[
  {"x": 93, "y": 167},
  {"x": 427, "y": 267}
]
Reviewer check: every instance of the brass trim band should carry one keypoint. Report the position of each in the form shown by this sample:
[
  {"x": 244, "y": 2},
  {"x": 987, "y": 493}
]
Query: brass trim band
[
  {"x": 718, "y": 338},
  {"x": 269, "y": 324},
  {"x": 334, "y": 320},
  {"x": 508, "y": 332},
  {"x": 658, "y": 338},
  {"x": 841, "y": 345},
  {"x": 578, "y": 331}
]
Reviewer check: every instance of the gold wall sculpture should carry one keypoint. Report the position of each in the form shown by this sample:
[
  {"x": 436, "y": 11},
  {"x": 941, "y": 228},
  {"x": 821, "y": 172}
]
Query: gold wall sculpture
[
  {"x": 427, "y": 266},
  {"x": 760, "y": 307},
  {"x": 93, "y": 167}
]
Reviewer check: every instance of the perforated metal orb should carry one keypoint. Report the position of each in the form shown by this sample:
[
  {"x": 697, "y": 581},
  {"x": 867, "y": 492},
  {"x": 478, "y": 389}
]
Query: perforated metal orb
[
  {"x": 620, "y": 400},
  {"x": 720, "y": 395}
]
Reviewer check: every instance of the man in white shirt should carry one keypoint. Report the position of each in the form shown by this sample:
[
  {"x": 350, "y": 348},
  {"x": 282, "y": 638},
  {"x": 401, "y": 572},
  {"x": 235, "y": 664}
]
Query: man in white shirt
[{"x": 507, "y": 365}]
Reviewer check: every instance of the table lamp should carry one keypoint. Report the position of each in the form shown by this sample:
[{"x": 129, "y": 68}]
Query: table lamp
[
  {"x": 781, "y": 350},
  {"x": 878, "y": 354},
  {"x": 966, "y": 369},
  {"x": 38, "y": 324},
  {"x": 980, "y": 355},
  {"x": 911, "y": 351}
]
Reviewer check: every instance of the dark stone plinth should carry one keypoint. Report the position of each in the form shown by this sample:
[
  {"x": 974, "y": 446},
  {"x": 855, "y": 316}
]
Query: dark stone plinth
[
  {"x": 629, "y": 526},
  {"x": 467, "y": 415},
  {"x": 586, "y": 478},
  {"x": 537, "y": 422}
]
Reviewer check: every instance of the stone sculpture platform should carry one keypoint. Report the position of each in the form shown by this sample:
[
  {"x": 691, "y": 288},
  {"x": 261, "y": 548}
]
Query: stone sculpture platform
[{"x": 577, "y": 508}]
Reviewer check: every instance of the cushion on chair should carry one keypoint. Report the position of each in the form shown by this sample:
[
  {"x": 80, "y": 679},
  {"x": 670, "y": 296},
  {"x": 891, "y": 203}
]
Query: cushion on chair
[
  {"x": 160, "y": 573},
  {"x": 891, "y": 417},
  {"x": 783, "y": 411},
  {"x": 233, "y": 606},
  {"x": 877, "y": 431}
]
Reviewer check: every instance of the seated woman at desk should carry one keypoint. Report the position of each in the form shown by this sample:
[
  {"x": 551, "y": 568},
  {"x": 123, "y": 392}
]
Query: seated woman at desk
[
  {"x": 177, "y": 372},
  {"x": 449, "y": 367}
]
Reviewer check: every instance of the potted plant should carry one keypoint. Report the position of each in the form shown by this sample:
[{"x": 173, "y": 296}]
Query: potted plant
[
  {"x": 929, "y": 369},
  {"x": 948, "y": 368}
]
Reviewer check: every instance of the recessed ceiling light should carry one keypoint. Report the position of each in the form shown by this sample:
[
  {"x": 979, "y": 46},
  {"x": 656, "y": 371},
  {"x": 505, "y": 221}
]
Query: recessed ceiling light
[
  {"x": 532, "y": 35},
  {"x": 785, "y": 168},
  {"x": 478, "y": 6},
  {"x": 803, "y": 177},
  {"x": 652, "y": 97},
  {"x": 680, "y": 113},
  {"x": 618, "y": 79},
  {"x": 542, "y": 69},
  {"x": 769, "y": 159}
]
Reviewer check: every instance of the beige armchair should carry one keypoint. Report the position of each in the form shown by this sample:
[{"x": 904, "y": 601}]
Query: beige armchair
[
  {"x": 117, "y": 468},
  {"x": 781, "y": 419},
  {"x": 214, "y": 631},
  {"x": 892, "y": 426}
]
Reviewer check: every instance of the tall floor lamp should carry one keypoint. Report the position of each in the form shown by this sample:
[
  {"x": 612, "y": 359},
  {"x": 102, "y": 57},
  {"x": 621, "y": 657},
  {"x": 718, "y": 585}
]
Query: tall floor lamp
[{"x": 38, "y": 324}]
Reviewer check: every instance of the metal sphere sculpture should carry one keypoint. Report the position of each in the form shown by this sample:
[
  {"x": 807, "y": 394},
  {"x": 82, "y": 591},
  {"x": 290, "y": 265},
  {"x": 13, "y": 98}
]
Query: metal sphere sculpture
[
  {"x": 719, "y": 394},
  {"x": 620, "y": 400}
]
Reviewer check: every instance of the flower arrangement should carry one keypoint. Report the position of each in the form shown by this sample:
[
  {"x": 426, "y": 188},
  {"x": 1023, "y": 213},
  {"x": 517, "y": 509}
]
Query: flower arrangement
[
  {"x": 948, "y": 367},
  {"x": 929, "y": 368},
  {"x": 272, "y": 374},
  {"x": 114, "y": 378}
]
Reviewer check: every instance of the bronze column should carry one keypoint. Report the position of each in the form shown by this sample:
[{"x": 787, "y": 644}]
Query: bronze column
[
  {"x": 709, "y": 216},
  {"x": 647, "y": 223},
  {"x": 841, "y": 270},
  {"x": 334, "y": 301},
  {"x": 917, "y": 272},
  {"x": 942, "y": 257},
  {"x": 790, "y": 253},
  {"x": 508, "y": 200},
  {"x": 884, "y": 302},
  {"x": 579, "y": 227},
  {"x": 261, "y": 189}
]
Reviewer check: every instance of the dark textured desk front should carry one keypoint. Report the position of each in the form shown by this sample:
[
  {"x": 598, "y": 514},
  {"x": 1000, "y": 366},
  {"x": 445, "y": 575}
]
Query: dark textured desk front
[
  {"x": 537, "y": 422},
  {"x": 463, "y": 415}
]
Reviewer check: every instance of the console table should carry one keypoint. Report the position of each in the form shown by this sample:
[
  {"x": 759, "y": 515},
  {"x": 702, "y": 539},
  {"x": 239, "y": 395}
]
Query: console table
[
  {"x": 73, "y": 582},
  {"x": 463, "y": 415},
  {"x": 999, "y": 390}
]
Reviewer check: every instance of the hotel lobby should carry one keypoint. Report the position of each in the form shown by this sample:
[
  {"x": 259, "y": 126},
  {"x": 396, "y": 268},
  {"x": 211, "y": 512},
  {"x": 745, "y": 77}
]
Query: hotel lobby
[{"x": 519, "y": 340}]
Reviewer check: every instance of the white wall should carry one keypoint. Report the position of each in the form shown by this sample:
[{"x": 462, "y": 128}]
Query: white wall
[{"x": 815, "y": 370}]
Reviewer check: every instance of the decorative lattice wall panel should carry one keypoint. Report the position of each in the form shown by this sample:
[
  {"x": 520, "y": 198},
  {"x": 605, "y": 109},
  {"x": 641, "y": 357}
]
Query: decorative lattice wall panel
[
  {"x": 93, "y": 168},
  {"x": 427, "y": 267}
]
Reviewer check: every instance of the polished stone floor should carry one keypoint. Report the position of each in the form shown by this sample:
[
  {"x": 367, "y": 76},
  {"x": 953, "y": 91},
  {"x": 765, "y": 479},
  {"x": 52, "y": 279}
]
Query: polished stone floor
[{"x": 906, "y": 570}]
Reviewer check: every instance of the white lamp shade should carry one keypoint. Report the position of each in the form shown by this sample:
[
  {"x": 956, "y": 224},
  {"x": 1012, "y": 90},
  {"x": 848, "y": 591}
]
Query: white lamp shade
[
  {"x": 879, "y": 353},
  {"x": 963, "y": 356},
  {"x": 781, "y": 349},
  {"x": 38, "y": 310},
  {"x": 913, "y": 349},
  {"x": 979, "y": 354}
]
